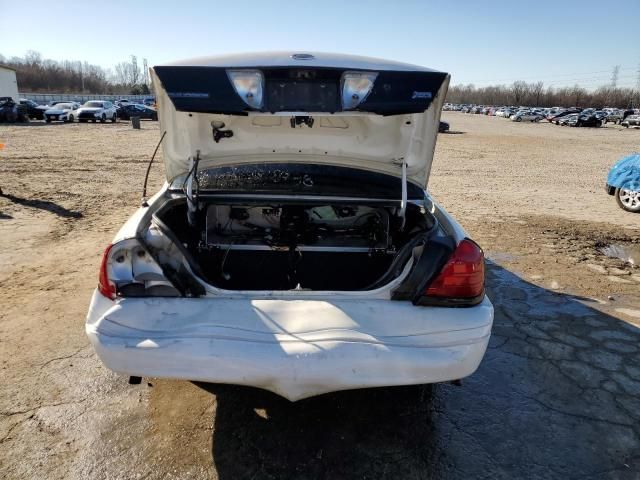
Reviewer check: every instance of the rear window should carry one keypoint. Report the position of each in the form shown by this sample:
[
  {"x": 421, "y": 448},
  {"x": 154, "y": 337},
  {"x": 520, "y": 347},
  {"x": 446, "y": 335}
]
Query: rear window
[
  {"x": 302, "y": 179},
  {"x": 93, "y": 105}
]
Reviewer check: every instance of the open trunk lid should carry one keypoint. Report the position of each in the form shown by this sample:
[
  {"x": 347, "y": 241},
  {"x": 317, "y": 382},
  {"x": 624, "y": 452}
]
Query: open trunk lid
[{"x": 307, "y": 112}]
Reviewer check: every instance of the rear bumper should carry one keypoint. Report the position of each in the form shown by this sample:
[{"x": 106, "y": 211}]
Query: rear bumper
[
  {"x": 609, "y": 189},
  {"x": 295, "y": 348}
]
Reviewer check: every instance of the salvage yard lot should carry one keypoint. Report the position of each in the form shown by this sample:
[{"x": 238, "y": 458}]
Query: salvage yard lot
[{"x": 557, "y": 395}]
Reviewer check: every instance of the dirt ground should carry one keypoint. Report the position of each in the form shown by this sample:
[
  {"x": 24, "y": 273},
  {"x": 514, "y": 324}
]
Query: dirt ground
[{"x": 557, "y": 395}]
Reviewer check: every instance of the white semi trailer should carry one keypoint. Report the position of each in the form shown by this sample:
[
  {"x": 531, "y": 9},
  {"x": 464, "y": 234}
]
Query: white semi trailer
[{"x": 8, "y": 83}]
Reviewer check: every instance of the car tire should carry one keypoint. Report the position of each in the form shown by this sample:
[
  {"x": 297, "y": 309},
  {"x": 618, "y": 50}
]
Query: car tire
[
  {"x": 628, "y": 200},
  {"x": 154, "y": 117},
  {"x": 82, "y": 121},
  {"x": 48, "y": 120},
  {"x": 71, "y": 119},
  {"x": 103, "y": 118},
  {"x": 518, "y": 119},
  {"x": 114, "y": 118}
]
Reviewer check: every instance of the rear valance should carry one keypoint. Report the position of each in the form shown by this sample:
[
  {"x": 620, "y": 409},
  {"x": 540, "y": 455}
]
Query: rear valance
[{"x": 206, "y": 89}]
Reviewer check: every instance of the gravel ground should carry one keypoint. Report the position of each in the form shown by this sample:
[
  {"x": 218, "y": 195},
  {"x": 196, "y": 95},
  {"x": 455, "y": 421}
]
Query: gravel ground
[{"x": 556, "y": 396}]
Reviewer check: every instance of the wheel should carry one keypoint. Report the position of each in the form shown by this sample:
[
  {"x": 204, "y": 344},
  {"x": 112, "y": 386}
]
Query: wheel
[
  {"x": 114, "y": 118},
  {"x": 154, "y": 116},
  {"x": 598, "y": 124},
  {"x": 518, "y": 119},
  {"x": 627, "y": 199},
  {"x": 48, "y": 120},
  {"x": 94, "y": 120},
  {"x": 103, "y": 118},
  {"x": 71, "y": 118},
  {"x": 82, "y": 121}
]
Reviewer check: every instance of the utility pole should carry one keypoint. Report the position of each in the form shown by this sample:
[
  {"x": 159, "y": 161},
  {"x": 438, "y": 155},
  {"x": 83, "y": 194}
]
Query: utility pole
[
  {"x": 614, "y": 76},
  {"x": 134, "y": 70},
  {"x": 81, "y": 75},
  {"x": 146, "y": 71}
]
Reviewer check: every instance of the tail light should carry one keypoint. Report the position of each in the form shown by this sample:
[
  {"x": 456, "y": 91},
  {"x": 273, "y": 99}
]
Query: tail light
[
  {"x": 128, "y": 270},
  {"x": 105, "y": 286},
  {"x": 461, "y": 280}
]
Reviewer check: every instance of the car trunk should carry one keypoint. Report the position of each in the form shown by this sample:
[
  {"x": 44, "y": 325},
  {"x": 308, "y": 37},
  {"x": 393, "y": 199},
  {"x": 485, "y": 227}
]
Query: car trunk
[
  {"x": 287, "y": 245},
  {"x": 305, "y": 180}
]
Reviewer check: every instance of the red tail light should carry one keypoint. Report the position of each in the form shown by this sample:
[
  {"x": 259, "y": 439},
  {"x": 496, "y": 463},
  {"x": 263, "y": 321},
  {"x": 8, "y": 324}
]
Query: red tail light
[
  {"x": 461, "y": 280},
  {"x": 105, "y": 286}
]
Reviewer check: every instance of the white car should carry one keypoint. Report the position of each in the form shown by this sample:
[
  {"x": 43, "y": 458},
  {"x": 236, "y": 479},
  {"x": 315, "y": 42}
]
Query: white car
[
  {"x": 61, "y": 112},
  {"x": 294, "y": 246},
  {"x": 527, "y": 116},
  {"x": 97, "y": 110}
]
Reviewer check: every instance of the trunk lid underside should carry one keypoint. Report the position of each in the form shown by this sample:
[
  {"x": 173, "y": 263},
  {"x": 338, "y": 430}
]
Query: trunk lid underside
[{"x": 396, "y": 124}]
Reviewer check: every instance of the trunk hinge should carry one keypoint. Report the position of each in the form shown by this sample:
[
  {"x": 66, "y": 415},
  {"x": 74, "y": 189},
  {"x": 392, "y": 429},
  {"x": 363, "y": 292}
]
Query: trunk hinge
[
  {"x": 403, "y": 199},
  {"x": 192, "y": 188}
]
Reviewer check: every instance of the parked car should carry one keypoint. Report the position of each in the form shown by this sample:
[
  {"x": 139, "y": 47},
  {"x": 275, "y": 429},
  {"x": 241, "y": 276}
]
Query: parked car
[
  {"x": 586, "y": 120},
  {"x": 149, "y": 102},
  {"x": 623, "y": 182},
  {"x": 570, "y": 119},
  {"x": 11, "y": 112},
  {"x": 527, "y": 117},
  {"x": 556, "y": 118},
  {"x": 97, "y": 110},
  {"x": 62, "y": 112},
  {"x": 613, "y": 116},
  {"x": 631, "y": 121},
  {"x": 125, "y": 112},
  {"x": 444, "y": 127},
  {"x": 32, "y": 109},
  {"x": 294, "y": 273}
]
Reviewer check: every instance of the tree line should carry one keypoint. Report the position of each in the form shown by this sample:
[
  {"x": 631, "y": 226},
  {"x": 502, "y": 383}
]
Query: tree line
[
  {"x": 39, "y": 75},
  {"x": 536, "y": 95}
]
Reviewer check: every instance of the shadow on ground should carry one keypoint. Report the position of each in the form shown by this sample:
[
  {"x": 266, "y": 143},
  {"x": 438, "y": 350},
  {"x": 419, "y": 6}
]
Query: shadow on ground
[
  {"x": 42, "y": 205},
  {"x": 557, "y": 396}
]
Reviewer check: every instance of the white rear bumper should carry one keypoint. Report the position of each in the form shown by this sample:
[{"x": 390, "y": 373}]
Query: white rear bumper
[{"x": 295, "y": 348}]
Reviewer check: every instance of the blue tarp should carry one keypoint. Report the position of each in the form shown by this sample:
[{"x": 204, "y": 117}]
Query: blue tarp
[{"x": 626, "y": 173}]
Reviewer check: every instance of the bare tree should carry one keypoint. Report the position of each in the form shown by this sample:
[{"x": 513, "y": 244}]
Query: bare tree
[
  {"x": 519, "y": 90},
  {"x": 128, "y": 73},
  {"x": 536, "y": 95},
  {"x": 537, "y": 90},
  {"x": 578, "y": 94}
]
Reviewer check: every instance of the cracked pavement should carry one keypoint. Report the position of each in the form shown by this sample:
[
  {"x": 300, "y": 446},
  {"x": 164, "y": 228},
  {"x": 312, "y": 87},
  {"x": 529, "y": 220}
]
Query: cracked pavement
[{"x": 557, "y": 395}]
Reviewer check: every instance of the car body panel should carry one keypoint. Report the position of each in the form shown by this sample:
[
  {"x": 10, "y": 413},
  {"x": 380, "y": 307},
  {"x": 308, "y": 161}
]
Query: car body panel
[
  {"x": 295, "y": 348},
  {"x": 625, "y": 173}
]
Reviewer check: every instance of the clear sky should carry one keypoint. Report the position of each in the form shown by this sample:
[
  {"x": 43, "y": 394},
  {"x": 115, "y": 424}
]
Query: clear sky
[{"x": 561, "y": 42}]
